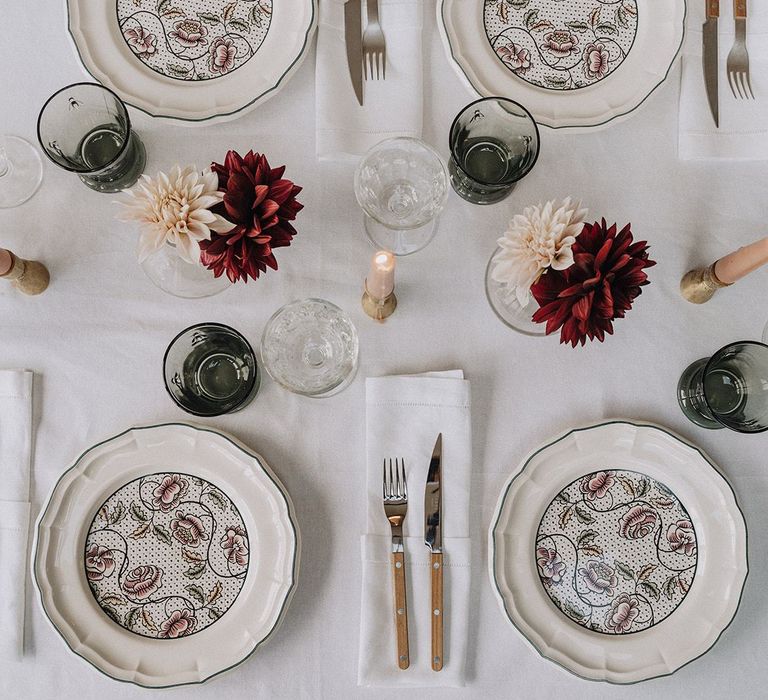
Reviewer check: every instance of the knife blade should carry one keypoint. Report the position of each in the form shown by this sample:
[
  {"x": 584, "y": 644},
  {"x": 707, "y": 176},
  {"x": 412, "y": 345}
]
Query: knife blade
[
  {"x": 710, "y": 58},
  {"x": 433, "y": 538},
  {"x": 353, "y": 38}
]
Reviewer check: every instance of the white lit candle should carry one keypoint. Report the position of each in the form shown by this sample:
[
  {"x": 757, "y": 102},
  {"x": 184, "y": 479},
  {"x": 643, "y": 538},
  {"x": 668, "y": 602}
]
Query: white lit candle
[{"x": 380, "y": 282}]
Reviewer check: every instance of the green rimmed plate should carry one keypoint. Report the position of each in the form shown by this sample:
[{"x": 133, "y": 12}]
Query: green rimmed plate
[
  {"x": 166, "y": 555},
  {"x": 598, "y": 608}
]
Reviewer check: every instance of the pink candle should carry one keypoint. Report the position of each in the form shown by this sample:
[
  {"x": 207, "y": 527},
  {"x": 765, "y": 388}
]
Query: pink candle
[
  {"x": 6, "y": 261},
  {"x": 733, "y": 267},
  {"x": 380, "y": 282}
]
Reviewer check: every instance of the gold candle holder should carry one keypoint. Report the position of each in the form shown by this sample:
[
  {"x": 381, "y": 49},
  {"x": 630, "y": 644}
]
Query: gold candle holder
[
  {"x": 28, "y": 276},
  {"x": 378, "y": 309},
  {"x": 699, "y": 285}
]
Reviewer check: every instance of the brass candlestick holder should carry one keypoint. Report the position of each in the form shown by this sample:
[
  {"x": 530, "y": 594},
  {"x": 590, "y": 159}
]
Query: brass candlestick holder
[
  {"x": 379, "y": 309},
  {"x": 699, "y": 285},
  {"x": 28, "y": 276}
]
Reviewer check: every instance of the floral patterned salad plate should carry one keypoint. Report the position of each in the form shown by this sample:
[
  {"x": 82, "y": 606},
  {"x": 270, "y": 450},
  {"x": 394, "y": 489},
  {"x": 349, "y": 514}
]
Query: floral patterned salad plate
[
  {"x": 196, "y": 61},
  {"x": 166, "y": 555},
  {"x": 572, "y": 63},
  {"x": 619, "y": 552}
]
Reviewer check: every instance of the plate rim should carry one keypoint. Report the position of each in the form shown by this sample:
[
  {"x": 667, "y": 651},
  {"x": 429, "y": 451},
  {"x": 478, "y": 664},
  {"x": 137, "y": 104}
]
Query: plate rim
[
  {"x": 519, "y": 471},
  {"x": 291, "y": 519},
  {"x": 616, "y": 118},
  {"x": 219, "y": 117}
]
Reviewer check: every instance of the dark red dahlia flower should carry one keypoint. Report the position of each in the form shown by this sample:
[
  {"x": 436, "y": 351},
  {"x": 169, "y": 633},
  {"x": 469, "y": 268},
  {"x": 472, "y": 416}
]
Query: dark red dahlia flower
[
  {"x": 605, "y": 278},
  {"x": 261, "y": 204}
]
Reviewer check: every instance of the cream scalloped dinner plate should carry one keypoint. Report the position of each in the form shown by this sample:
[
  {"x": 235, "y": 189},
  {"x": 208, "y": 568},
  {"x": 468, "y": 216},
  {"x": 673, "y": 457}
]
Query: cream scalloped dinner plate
[
  {"x": 571, "y": 63},
  {"x": 166, "y": 555},
  {"x": 193, "y": 61},
  {"x": 619, "y": 552}
]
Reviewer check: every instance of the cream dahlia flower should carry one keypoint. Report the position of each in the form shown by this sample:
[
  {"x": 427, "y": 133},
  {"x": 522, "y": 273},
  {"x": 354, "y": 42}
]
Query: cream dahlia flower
[
  {"x": 175, "y": 209},
  {"x": 539, "y": 238}
]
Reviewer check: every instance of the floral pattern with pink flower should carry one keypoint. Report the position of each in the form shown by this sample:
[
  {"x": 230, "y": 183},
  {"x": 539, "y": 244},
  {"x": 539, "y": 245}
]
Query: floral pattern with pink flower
[
  {"x": 622, "y": 547},
  {"x": 597, "y": 485},
  {"x": 151, "y": 567},
  {"x": 140, "y": 40},
  {"x": 599, "y": 577},
  {"x": 596, "y": 61},
  {"x": 190, "y": 33},
  {"x": 179, "y": 624},
  {"x": 169, "y": 492},
  {"x": 561, "y": 43},
  {"x": 235, "y": 546},
  {"x": 623, "y": 612},
  {"x": 682, "y": 538},
  {"x": 174, "y": 38},
  {"x": 551, "y": 567},
  {"x": 99, "y": 562},
  {"x": 516, "y": 57},
  {"x": 188, "y": 529},
  {"x": 637, "y": 522},
  {"x": 222, "y": 55},
  {"x": 143, "y": 581}
]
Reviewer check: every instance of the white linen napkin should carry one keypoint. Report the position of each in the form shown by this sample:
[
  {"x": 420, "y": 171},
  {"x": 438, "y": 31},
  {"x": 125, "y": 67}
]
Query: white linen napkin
[
  {"x": 403, "y": 418},
  {"x": 743, "y": 132},
  {"x": 392, "y": 107},
  {"x": 15, "y": 449}
]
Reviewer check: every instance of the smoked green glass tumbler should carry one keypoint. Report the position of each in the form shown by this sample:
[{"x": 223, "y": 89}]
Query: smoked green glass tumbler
[
  {"x": 85, "y": 128},
  {"x": 729, "y": 389},
  {"x": 494, "y": 143}
]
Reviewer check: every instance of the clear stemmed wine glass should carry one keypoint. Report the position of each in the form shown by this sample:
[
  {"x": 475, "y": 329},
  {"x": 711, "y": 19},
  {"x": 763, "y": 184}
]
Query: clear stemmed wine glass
[
  {"x": 21, "y": 171},
  {"x": 402, "y": 186}
]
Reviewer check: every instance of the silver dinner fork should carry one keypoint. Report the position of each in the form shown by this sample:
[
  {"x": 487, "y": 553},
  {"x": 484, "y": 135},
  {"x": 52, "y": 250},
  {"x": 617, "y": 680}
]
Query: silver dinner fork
[
  {"x": 395, "y": 507},
  {"x": 374, "y": 44},
  {"x": 738, "y": 58}
]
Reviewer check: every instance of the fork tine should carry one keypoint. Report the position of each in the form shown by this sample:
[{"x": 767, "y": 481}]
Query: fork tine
[
  {"x": 731, "y": 83},
  {"x": 390, "y": 489},
  {"x": 384, "y": 481},
  {"x": 378, "y": 65},
  {"x": 405, "y": 483},
  {"x": 749, "y": 85},
  {"x": 384, "y": 65}
]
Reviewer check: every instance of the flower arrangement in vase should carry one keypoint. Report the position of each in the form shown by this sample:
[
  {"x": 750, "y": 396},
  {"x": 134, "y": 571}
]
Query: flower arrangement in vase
[
  {"x": 554, "y": 272},
  {"x": 200, "y": 232}
]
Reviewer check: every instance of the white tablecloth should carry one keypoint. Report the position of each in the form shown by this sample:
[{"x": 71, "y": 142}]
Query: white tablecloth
[{"x": 96, "y": 338}]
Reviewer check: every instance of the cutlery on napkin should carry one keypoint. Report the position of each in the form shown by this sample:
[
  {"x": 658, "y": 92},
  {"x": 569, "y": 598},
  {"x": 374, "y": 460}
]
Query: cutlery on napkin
[
  {"x": 743, "y": 130},
  {"x": 392, "y": 107},
  {"x": 15, "y": 451},
  {"x": 404, "y": 414}
]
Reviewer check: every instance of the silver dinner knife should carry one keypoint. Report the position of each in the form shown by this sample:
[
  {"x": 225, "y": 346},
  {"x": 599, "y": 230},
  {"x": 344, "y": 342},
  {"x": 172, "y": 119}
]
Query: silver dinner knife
[
  {"x": 710, "y": 58},
  {"x": 433, "y": 538},
  {"x": 353, "y": 37}
]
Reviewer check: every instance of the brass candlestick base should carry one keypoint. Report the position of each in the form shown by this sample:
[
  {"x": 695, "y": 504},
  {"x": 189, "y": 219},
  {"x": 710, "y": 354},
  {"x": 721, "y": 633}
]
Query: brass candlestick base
[
  {"x": 379, "y": 309},
  {"x": 28, "y": 276},
  {"x": 700, "y": 285}
]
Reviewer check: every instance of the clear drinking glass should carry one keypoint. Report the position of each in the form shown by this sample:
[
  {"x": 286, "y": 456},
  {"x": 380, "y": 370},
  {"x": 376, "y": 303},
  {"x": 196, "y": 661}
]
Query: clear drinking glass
[
  {"x": 310, "y": 347},
  {"x": 401, "y": 185},
  {"x": 85, "y": 128},
  {"x": 21, "y": 171},
  {"x": 210, "y": 369},
  {"x": 507, "y": 307},
  {"x": 494, "y": 143},
  {"x": 168, "y": 271},
  {"x": 730, "y": 389}
]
